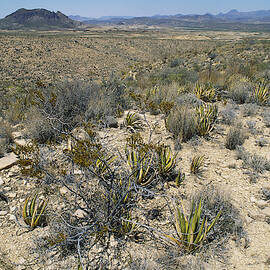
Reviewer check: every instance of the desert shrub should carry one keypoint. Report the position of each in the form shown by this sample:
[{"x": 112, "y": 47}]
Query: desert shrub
[
  {"x": 181, "y": 122},
  {"x": 252, "y": 127},
  {"x": 240, "y": 92},
  {"x": 180, "y": 75},
  {"x": 228, "y": 115},
  {"x": 64, "y": 106},
  {"x": 188, "y": 99},
  {"x": 235, "y": 137},
  {"x": 266, "y": 118},
  {"x": 262, "y": 142},
  {"x": 250, "y": 109},
  {"x": 176, "y": 62},
  {"x": 257, "y": 163},
  {"x": 14, "y": 102}
]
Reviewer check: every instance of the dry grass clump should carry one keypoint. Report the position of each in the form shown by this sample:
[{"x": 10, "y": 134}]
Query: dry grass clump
[
  {"x": 240, "y": 92},
  {"x": 228, "y": 115},
  {"x": 235, "y": 137},
  {"x": 181, "y": 122},
  {"x": 257, "y": 163}
]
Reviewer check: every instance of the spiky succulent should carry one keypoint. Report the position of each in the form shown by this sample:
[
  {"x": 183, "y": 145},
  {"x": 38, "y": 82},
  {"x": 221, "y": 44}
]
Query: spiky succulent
[
  {"x": 191, "y": 230},
  {"x": 205, "y": 92},
  {"x": 141, "y": 166},
  {"x": 167, "y": 161},
  {"x": 133, "y": 121},
  {"x": 206, "y": 116},
  {"x": 33, "y": 211},
  {"x": 261, "y": 93},
  {"x": 196, "y": 164}
]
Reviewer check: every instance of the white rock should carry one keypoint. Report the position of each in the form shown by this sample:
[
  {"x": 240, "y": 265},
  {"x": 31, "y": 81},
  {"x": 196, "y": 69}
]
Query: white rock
[
  {"x": 12, "y": 217},
  {"x": 3, "y": 213},
  {"x": 63, "y": 190},
  {"x": 8, "y": 161},
  {"x": 12, "y": 195},
  {"x": 80, "y": 213},
  {"x": 261, "y": 203},
  {"x": 257, "y": 216},
  {"x": 1, "y": 182},
  {"x": 266, "y": 211}
]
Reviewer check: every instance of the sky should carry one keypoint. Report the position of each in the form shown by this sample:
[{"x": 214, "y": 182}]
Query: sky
[{"x": 97, "y": 8}]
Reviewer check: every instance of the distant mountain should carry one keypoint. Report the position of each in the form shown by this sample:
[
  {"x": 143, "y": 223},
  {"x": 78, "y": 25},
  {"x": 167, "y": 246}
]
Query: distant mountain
[
  {"x": 79, "y": 18},
  {"x": 100, "y": 19},
  {"x": 251, "y": 15},
  {"x": 37, "y": 19},
  {"x": 232, "y": 20}
]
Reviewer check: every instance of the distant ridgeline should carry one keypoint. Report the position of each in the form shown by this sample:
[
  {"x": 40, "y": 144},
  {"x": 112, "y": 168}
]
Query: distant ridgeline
[{"x": 37, "y": 19}]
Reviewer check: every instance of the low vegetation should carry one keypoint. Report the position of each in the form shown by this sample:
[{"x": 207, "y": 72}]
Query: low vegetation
[{"x": 115, "y": 150}]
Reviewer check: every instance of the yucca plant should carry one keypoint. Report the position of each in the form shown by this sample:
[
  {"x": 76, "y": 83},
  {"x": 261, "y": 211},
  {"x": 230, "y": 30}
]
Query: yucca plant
[
  {"x": 179, "y": 178},
  {"x": 204, "y": 92},
  {"x": 133, "y": 121},
  {"x": 261, "y": 93},
  {"x": 206, "y": 116},
  {"x": 196, "y": 164},
  {"x": 103, "y": 163},
  {"x": 33, "y": 212},
  {"x": 141, "y": 166},
  {"x": 191, "y": 230},
  {"x": 166, "y": 160}
]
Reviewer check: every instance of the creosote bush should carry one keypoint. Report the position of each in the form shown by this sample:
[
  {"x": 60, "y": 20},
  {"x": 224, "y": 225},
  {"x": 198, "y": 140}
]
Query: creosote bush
[{"x": 60, "y": 108}]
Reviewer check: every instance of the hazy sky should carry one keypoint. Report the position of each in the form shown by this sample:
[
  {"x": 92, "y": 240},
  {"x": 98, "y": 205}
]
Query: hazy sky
[{"x": 97, "y": 8}]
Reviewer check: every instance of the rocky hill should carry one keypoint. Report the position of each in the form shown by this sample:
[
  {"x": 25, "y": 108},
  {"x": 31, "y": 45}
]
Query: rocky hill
[{"x": 37, "y": 19}]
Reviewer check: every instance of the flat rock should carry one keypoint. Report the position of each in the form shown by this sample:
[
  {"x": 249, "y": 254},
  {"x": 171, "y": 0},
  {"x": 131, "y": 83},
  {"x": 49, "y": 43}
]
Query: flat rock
[
  {"x": 21, "y": 142},
  {"x": 3, "y": 213},
  {"x": 258, "y": 216},
  {"x": 266, "y": 211},
  {"x": 8, "y": 161},
  {"x": 1, "y": 181},
  {"x": 261, "y": 203}
]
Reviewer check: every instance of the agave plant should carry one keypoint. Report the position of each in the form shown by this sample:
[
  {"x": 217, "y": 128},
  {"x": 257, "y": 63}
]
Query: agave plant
[
  {"x": 133, "y": 121},
  {"x": 205, "y": 118},
  {"x": 191, "y": 230},
  {"x": 204, "y": 92},
  {"x": 141, "y": 166},
  {"x": 33, "y": 211},
  {"x": 261, "y": 93},
  {"x": 197, "y": 164},
  {"x": 167, "y": 161}
]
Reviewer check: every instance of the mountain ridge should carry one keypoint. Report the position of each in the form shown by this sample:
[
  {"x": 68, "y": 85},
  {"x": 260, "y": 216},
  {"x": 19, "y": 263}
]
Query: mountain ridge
[{"x": 37, "y": 19}]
